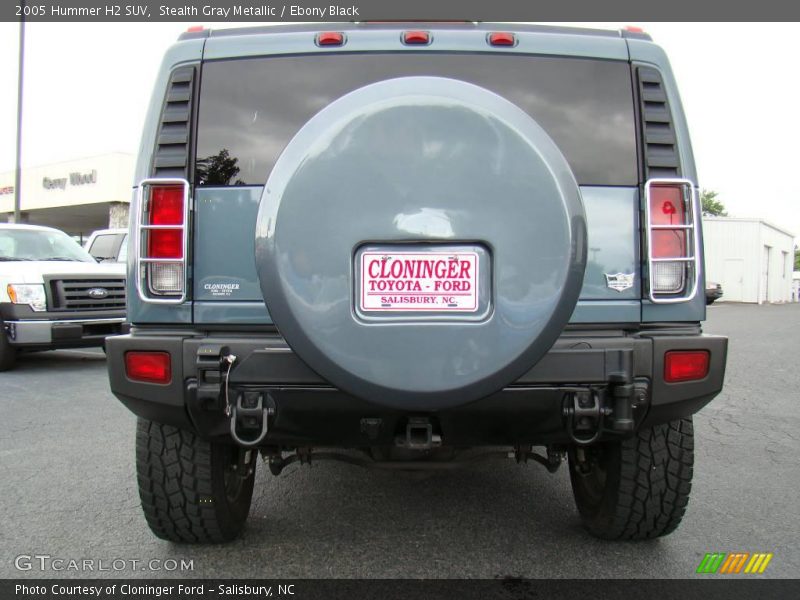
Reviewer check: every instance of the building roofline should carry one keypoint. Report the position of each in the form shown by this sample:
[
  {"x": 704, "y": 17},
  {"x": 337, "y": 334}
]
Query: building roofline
[
  {"x": 72, "y": 160},
  {"x": 752, "y": 220}
]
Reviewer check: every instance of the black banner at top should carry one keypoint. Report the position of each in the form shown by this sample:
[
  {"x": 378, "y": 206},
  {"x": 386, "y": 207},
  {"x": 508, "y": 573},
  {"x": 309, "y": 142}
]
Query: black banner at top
[{"x": 381, "y": 10}]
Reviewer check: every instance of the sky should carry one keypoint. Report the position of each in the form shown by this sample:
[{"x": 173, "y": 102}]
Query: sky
[{"x": 87, "y": 87}]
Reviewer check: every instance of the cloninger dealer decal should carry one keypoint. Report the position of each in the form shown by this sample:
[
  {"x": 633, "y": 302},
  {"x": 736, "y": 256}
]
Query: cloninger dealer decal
[{"x": 427, "y": 281}]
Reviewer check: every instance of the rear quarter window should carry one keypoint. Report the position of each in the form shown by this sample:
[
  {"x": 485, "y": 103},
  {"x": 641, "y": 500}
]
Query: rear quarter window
[{"x": 251, "y": 108}]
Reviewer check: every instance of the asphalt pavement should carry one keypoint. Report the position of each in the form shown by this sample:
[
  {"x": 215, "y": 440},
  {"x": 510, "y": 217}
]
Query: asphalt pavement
[{"x": 69, "y": 490}]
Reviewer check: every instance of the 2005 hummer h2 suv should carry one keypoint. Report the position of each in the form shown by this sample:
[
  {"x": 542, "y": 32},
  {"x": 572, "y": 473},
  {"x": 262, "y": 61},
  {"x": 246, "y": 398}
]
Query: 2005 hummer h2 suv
[{"x": 413, "y": 246}]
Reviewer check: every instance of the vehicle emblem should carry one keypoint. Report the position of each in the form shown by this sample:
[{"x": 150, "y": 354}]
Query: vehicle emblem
[
  {"x": 620, "y": 281},
  {"x": 98, "y": 293}
]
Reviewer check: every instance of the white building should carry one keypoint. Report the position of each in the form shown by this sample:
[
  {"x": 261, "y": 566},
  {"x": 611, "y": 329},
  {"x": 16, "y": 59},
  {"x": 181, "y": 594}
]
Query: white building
[
  {"x": 751, "y": 258},
  {"x": 76, "y": 196}
]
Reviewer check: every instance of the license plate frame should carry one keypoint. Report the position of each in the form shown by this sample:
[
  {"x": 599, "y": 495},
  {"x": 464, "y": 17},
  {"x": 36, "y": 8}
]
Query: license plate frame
[{"x": 437, "y": 282}]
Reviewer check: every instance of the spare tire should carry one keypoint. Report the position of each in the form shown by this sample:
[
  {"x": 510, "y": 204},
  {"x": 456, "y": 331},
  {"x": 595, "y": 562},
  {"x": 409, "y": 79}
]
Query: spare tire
[{"x": 411, "y": 166}]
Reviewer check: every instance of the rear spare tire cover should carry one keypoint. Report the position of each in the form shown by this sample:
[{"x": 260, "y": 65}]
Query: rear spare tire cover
[{"x": 420, "y": 165}]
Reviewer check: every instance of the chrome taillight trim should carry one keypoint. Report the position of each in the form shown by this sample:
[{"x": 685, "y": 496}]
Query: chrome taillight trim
[
  {"x": 142, "y": 201},
  {"x": 691, "y": 200}
]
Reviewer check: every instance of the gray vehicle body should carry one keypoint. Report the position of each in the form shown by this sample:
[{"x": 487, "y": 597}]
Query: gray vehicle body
[{"x": 305, "y": 367}]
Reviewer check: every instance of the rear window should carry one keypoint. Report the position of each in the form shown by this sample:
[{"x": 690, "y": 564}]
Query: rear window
[{"x": 251, "y": 108}]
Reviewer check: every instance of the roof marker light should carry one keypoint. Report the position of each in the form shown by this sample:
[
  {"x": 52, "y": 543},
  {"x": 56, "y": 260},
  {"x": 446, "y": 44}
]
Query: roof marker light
[
  {"x": 502, "y": 38},
  {"x": 330, "y": 38},
  {"x": 195, "y": 29},
  {"x": 422, "y": 38}
]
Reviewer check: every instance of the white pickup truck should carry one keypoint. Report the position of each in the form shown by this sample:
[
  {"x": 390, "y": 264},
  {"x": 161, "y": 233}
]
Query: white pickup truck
[{"x": 53, "y": 294}]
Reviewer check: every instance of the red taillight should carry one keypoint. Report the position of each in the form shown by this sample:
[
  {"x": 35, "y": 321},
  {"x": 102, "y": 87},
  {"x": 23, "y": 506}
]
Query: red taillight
[
  {"x": 166, "y": 205},
  {"x": 501, "y": 38},
  {"x": 165, "y": 243},
  {"x": 330, "y": 38},
  {"x": 194, "y": 29},
  {"x": 416, "y": 37},
  {"x": 166, "y": 208},
  {"x": 633, "y": 29},
  {"x": 672, "y": 246},
  {"x": 686, "y": 365},
  {"x": 162, "y": 240},
  {"x": 667, "y": 207},
  {"x": 150, "y": 367}
]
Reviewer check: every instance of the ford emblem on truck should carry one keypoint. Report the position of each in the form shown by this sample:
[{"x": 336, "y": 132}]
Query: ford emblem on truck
[{"x": 98, "y": 293}]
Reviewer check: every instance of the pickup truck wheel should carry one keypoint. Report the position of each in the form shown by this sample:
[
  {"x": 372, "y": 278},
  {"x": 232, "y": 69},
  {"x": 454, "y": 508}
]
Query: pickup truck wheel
[
  {"x": 192, "y": 490},
  {"x": 8, "y": 354},
  {"x": 636, "y": 489}
]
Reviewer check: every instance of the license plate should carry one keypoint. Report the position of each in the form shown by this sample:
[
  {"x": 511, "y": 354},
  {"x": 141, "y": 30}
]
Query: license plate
[{"x": 427, "y": 281}]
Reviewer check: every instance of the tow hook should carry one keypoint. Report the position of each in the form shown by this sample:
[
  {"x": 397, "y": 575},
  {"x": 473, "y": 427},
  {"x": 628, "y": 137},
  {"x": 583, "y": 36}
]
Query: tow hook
[
  {"x": 583, "y": 414},
  {"x": 250, "y": 414},
  {"x": 590, "y": 412}
]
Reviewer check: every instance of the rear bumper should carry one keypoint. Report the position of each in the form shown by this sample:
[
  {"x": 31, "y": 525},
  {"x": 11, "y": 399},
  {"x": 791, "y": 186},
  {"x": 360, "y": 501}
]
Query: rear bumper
[{"x": 309, "y": 411}]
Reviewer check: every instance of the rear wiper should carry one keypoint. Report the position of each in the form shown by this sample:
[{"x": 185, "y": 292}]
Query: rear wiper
[{"x": 63, "y": 258}]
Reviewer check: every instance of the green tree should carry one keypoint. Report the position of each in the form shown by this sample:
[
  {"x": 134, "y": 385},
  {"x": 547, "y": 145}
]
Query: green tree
[
  {"x": 217, "y": 169},
  {"x": 710, "y": 205},
  {"x": 796, "y": 258}
]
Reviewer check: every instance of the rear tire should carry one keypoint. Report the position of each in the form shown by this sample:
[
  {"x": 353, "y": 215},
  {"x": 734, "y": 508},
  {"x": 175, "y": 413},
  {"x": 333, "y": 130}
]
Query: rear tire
[
  {"x": 8, "y": 354},
  {"x": 636, "y": 489},
  {"x": 192, "y": 490}
]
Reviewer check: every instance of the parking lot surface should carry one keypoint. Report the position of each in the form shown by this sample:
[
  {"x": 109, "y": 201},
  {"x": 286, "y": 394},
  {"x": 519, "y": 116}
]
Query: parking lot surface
[{"x": 69, "y": 489}]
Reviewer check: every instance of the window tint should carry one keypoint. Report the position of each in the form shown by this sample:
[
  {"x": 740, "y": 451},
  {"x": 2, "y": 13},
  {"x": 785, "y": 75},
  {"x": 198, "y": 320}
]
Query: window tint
[{"x": 251, "y": 108}]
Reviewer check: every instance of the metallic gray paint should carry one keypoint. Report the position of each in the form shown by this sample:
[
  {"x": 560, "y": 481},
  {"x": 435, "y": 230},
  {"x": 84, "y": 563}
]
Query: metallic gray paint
[
  {"x": 225, "y": 221},
  {"x": 454, "y": 40},
  {"x": 371, "y": 40},
  {"x": 182, "y": 53},
  {"x": 400, "y": 147},
  {"x": 225, "y": 224}
]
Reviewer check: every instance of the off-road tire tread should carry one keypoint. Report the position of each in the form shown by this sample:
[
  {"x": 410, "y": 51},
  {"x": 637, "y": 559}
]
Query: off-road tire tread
[
  {"x": 180, "y": 499},
  {"x": 655, "y": 479}
]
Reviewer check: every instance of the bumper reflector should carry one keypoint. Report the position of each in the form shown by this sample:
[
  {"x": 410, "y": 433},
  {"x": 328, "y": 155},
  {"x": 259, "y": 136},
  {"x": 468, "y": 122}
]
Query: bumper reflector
[
  {"x": 150, "y": 367},
  {"x": 686, "y": 365}
]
